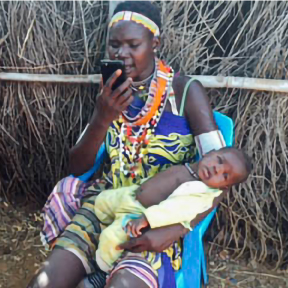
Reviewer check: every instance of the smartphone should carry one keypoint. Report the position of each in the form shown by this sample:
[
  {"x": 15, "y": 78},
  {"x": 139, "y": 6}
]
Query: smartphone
[{"x": 108, "y": 67}]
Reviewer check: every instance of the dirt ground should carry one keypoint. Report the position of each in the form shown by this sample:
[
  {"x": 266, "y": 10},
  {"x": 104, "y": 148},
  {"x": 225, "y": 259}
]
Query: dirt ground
[{"x": 21, "y": 254}]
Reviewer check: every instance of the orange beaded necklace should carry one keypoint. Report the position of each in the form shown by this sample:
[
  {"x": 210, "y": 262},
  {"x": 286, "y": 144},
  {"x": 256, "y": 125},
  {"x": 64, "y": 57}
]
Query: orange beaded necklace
[{"x": 146, "y": 121}]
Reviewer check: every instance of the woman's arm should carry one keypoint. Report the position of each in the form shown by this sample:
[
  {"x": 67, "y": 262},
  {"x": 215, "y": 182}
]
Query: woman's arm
[
  {"x": 155, "y": 240},
  {"x": 83, "y": 154},
  {"x": 108, "y": 107},
  {"x": 197, "y": 110},
  {"x": 199, "y": 114}
]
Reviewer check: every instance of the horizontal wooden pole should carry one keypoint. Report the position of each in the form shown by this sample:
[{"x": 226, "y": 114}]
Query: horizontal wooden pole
[
  {"x": 51, "y": 78},
  {"x": 207, "y": 81},
  {"x": 243, "y": 83}
]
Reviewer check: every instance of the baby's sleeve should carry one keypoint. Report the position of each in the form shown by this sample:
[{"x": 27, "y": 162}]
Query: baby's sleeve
[{"x": 183, "y": 205}]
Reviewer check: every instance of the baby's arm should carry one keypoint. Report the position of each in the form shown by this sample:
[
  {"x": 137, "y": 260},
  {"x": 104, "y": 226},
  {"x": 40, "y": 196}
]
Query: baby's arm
[
  {"x": 162, "y": 185},
  {"x": 183, "y": 205},
  {"x": 190, "y": 200}
]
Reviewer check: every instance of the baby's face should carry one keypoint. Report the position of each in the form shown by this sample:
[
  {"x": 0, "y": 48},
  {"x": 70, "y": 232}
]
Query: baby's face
[{"x": 222, "y": 169}]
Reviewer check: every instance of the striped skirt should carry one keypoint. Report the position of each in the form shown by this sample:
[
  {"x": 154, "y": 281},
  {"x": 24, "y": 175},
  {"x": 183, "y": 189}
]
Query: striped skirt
[
  {"x": 81, "y": 238},
  {"x": 70, "y": 223}
]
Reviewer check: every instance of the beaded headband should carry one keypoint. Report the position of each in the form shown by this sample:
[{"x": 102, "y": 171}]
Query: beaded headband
[{"x": 135, "y": 17}]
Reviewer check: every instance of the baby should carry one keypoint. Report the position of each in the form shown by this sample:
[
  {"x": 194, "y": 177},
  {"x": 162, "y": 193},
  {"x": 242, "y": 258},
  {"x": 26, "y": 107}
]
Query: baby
[{"x": 122, "y": 216}]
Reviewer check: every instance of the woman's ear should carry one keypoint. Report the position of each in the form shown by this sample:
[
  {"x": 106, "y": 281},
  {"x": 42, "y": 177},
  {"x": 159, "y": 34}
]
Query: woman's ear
[{"x": 156, "y": 43}]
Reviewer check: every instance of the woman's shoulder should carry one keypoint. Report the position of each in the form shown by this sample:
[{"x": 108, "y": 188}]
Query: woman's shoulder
[
  {"x": 195, "y": 90},
  {"x": 180, "y": 81}
]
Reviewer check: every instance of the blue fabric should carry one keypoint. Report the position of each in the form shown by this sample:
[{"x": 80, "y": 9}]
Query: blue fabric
[
  {"x": 166, "y": 277},
  {"x": 169, "y": 122},
  {"x": 134, "y": 108},
  {"x": 101, "y": 155}
]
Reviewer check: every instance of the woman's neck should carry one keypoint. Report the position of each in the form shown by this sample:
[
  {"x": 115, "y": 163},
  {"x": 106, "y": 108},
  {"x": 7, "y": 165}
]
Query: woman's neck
[
  {"x": 147, "y": 73},
  {"x": 146, "y": 80}
]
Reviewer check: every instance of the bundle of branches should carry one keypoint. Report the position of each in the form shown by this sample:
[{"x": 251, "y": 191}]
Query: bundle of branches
[
  {"x": 242, "y": 39},
  {"x": 39, "y": 123}
]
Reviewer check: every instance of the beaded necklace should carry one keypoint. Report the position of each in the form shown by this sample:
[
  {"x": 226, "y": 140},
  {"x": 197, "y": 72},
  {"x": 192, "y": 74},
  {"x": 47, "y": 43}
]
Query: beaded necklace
[
  {"x": 145, "y": 121},
  {"x": 141, "y": 85}
]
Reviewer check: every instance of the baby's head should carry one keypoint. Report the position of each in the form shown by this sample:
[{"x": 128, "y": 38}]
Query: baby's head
[{"x": 223, "y": 168}]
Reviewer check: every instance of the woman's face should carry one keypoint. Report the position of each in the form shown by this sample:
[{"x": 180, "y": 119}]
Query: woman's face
[{"x": 134, "y": 45}]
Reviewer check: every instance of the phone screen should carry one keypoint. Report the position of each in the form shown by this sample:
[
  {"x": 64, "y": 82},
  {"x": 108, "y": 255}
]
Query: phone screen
[{"x": 108, "y": 67}]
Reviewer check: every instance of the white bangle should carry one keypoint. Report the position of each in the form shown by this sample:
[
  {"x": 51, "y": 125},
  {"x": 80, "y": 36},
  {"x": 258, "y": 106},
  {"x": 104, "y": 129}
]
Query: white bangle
[
  {"x": 81, "y": 135},
  {"x": 207, "y": 142}
]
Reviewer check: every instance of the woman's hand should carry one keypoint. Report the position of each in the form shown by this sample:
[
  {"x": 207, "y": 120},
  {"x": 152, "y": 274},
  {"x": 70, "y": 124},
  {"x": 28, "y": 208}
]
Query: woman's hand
[
  {"x": 155, "y": 240},
  {"x": 111, "y": 103}
]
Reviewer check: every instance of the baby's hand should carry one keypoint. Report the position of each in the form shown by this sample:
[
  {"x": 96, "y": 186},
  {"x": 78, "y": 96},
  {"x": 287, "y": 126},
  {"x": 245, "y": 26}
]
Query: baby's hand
[{"x": 134, "y": 226}]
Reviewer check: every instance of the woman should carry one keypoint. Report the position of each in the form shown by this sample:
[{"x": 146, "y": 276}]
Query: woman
[{"x": 145, "y": 134}]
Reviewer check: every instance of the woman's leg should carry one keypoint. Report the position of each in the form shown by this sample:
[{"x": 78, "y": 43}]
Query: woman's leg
[
  {"x": 123, "y": 278},
  {"x": 61, "y": 206},
  {"x": 74, "y": 254},
  {"x": 133, "y": 271},
  {"x": 55, "y": 273}
]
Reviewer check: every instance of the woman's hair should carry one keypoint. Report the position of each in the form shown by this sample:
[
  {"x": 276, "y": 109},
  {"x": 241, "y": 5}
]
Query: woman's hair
[{"x": 145, "y": 8}]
